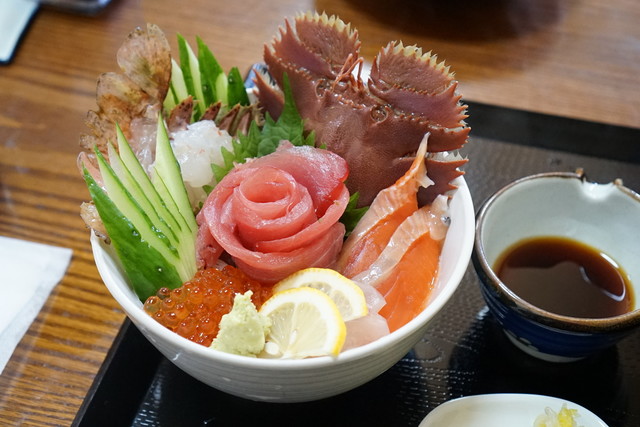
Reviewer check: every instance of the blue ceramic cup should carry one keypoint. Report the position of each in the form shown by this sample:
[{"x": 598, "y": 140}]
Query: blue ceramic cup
[{"x": 603, "y": 216}]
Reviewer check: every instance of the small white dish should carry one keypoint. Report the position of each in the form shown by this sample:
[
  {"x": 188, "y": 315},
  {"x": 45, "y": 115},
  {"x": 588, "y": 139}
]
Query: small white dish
[{"x": 503, "y": 409}]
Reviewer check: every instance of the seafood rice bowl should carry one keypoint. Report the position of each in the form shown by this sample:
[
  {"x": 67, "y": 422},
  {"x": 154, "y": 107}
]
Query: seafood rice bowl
[{"x": 286, "y": 242}]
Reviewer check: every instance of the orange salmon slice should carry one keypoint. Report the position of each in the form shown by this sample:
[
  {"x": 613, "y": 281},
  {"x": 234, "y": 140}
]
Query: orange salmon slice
[
  {"x": 389, "y": 209},
  {"x": 408, "y": 288},
  {"x": 406, "y": 270}
]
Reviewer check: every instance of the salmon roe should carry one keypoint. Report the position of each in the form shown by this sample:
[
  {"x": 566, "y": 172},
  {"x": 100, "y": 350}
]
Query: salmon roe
[{"x": 194, "y": 309}]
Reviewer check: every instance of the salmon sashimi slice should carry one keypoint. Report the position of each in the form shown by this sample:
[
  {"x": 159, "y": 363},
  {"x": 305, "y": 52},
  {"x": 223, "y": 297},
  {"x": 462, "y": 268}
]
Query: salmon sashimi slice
[
  {"x": 411, "y": 285},
  {"x": 406, "y": 270},
  {"x": 387, "y": 211}
]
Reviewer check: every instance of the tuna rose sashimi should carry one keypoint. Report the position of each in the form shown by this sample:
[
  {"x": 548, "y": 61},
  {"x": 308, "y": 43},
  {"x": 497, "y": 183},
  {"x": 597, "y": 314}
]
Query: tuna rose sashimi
[{"x": 277, "y": 214}]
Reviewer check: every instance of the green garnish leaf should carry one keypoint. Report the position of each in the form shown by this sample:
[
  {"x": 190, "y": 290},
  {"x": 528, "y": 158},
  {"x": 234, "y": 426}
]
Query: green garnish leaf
[
  {"x": 260, "y": 142},
  {"x": 289, "y": 127},
  {"x": 352, "y": 214},
  {"x": 242, "y": 148}
]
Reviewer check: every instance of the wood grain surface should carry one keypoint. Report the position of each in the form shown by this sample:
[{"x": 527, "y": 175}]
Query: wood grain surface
[{"x": 578, "y": 59}]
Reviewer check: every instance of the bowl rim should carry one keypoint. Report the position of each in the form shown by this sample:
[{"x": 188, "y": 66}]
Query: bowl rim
[
  {"x": 103, "y": 253},
  {"x": 528, "y": 310}
]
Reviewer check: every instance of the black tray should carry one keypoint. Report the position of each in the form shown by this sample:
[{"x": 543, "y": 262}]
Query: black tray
[{"x": 464, "y": 352}]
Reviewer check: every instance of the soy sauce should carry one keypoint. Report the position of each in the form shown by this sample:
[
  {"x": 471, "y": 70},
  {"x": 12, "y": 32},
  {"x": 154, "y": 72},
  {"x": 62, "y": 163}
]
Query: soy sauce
[{"x": 565, "y": 277}]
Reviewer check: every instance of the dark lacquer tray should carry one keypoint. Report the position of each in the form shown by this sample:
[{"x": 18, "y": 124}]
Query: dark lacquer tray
[{"x": 464, "y": 351}]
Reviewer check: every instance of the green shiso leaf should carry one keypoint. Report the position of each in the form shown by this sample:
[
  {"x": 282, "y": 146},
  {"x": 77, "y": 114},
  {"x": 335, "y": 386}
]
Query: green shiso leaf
[
  {"x": 289, "y": 127},
  {"x": 260, "y": 142},
  {"x": 352, "y": 214},
  {"x": 242, "y": 148}
]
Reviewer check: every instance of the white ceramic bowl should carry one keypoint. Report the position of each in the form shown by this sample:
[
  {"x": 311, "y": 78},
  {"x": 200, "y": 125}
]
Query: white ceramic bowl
[
  {"x": 307, "y": 379},
  {"x": 603, "y": 216}
]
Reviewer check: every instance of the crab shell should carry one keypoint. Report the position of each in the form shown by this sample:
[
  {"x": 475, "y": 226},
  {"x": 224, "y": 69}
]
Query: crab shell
[{"x": 376, "y": 127}]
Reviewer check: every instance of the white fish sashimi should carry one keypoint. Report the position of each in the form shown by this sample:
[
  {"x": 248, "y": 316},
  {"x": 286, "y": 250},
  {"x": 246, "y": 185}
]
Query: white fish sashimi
[
  {"x": 369, "y": 328},
  {"x": 375, "y": 300},
  {"x": 364, "y": 330}
]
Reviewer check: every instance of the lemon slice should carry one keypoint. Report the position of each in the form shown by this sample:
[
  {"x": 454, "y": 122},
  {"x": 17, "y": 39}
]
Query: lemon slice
[
  {"x": 347, "y": 295},
  {"x": 305, "y": 322}
]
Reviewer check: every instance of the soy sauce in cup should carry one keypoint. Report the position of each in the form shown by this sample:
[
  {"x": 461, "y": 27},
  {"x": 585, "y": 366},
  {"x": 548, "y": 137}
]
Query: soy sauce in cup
[{"x": 565, "y": 277}]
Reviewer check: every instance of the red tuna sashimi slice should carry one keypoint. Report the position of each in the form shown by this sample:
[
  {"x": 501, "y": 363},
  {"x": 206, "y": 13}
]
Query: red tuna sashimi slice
[
  {"x": 272, "y": 267},
  {"x": 266, "y": 213},
  {"x": 322, "y": 172},
  {"x": 268, "y": 203},
  {"x": 207, "y": 249}
]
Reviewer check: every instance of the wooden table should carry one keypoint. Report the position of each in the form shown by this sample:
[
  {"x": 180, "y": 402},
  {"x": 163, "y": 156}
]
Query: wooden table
[{"x": 578, "y": 59}]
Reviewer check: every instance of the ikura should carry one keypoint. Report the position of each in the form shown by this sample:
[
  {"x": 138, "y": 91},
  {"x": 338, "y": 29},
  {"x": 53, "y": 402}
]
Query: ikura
[{"x": 194, "y": 309}]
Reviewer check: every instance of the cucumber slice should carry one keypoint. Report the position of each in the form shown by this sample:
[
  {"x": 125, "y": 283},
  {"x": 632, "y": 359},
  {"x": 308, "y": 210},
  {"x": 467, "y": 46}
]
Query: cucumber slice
[
  {"x": 169, "y": 221},
  {"x": 191, "y": 71},
  {"x": 177, "y": 88},
  {"x": 149, "y": 221},
  {"x": 221, "y": 89},
  {"x": 210, "y": 69},
  {"x": 146, "y": 268},
  {"x": 167, "y": 170},
  {"x": 136, "y": 192},
  {"x": 132, "y": 210},
  {"x": 237, "y": 92}
]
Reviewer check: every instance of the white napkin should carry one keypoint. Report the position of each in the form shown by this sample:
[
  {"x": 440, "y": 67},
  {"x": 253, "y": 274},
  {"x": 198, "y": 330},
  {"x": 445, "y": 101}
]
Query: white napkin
[
  {"x": 28, "y": 273},
  {"x": 14, "y": 19}
]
